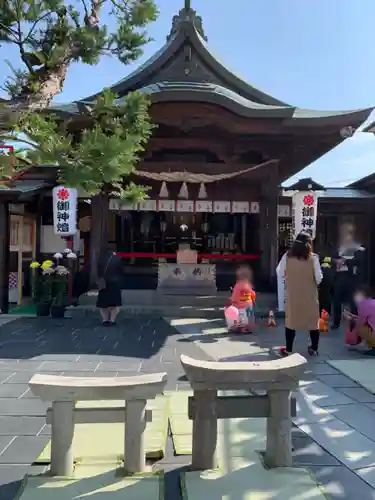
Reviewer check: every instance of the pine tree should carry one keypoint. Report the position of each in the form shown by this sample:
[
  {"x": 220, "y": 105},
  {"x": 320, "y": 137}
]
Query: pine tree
[
  {"x": 97, "y": 148},
  {"x": 50, "y": 35},
  {"x": 95, "y": 151}
]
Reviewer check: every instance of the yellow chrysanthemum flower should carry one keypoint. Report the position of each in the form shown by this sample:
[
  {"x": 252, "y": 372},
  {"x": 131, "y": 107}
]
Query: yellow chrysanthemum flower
[
  {"x": 47, "y": 264},
  {"x": 34, "y": 265}
]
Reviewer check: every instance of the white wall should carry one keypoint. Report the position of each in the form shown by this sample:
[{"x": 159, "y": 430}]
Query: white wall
[{"x": 50, "y": 242}]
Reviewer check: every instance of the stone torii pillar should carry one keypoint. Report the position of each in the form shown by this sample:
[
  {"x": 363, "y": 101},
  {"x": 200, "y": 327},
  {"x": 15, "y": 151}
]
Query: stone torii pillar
[{"x": 278, "y": 378}]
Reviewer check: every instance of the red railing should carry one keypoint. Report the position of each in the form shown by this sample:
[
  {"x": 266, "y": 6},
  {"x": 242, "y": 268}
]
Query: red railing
[{"x": 208, "y": 256}]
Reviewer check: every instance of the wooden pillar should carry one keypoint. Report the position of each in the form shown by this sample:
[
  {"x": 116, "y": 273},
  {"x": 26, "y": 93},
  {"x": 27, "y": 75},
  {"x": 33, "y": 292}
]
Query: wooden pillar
[
  {"x": 269, "y": 230},
  {"x": 21, "y": 221},
  {"x": 4, "y": 256},
  {"x": 243, "y": 232},
  {"x": 38, "y": 227}
]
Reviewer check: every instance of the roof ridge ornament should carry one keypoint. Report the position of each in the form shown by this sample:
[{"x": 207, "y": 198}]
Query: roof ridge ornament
[{"x": 187, "y": 14}]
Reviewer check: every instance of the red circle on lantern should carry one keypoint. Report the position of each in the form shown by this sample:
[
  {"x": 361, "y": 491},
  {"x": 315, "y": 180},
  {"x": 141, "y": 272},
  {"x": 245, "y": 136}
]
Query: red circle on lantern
[
  {"x": 308, "y": 200},
  {"x": 63, "y": 194}
]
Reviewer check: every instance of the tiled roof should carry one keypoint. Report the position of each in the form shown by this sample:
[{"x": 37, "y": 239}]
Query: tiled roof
[{"x": 24, "y": 186}]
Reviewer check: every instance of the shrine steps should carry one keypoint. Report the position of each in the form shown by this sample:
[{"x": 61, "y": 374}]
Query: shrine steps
[{"x": 151, "y": 302}]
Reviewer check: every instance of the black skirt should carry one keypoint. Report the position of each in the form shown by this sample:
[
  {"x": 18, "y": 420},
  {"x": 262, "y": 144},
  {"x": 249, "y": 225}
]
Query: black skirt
[{"x": 110, "y": 296}]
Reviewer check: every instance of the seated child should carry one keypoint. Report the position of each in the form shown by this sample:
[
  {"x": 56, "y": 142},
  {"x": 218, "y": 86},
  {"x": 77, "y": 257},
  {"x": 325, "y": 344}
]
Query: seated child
[
  {"x": 243, "y": 298},
  {"x": 364, "y": 322}
]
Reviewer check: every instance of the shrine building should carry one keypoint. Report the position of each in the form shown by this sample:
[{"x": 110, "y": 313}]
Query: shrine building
[{"x": 214, "y": 165}]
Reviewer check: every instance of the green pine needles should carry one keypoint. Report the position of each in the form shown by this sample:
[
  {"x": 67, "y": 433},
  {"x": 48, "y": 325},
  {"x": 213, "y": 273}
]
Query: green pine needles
[
  {"x": 50, "y": 35},
  {"x": 97, "y": 148}
]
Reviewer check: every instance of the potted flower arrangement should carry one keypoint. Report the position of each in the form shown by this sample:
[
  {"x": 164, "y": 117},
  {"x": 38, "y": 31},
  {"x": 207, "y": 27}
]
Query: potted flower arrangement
[
  {"x": 51, "y": 285},
  {"x": 42, "y": 286},
  {"x": 60, "y": 283},
  {"x": 59, "y": 291}
]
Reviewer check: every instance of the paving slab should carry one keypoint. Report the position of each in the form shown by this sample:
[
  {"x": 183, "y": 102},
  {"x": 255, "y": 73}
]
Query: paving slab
[
  {"x": 323, "y": 395},
  {"x": 342, "y": 484},
  {"x": 368, "y": 475},
  {"x": 67, "y": 366},
  {"x": 13, "y": 390},
  {"x": 358, "y": 394},
  {"x": 337, "y": 381},
  {"x": 307, "y": 452},
  {"x": 24, "y": 377},
  {"x": 82, "y": 347},
  {"x": 11, "y": 477},
  {"x": 126, "y": 365},
  {"x": 22, "y": 407},
  {"x": 349, "y": 446},
  {"x": 20, "y": 365},
  {"x": 23, "y": 449},
  {"x": 6, "y": 375},
  {"x": 310, "y": 413},
  {"x": 21, "y": 426},
  {"x": 322, "y": 368},
  {"x": 360, "y": 418}
]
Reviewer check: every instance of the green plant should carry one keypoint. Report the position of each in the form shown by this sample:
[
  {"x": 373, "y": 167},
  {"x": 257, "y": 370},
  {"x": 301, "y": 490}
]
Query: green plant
[
  {"x": 104, "y": 143},
  {"x": 49, "y": 36},
  {"x": 42, "y": 281},
  {"x": 99, "y": 159},
  {"x": 60, "y": 287}
]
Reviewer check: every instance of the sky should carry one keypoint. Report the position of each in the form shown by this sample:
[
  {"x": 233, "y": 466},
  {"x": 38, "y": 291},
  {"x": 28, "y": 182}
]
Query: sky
[{"x": 315, "y": 54}]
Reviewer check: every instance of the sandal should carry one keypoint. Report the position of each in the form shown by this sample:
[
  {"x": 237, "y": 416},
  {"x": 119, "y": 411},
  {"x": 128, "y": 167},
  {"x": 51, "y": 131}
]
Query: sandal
[
  {"x": 284, "y": 353},
  {"x": 312, "y": 352}
]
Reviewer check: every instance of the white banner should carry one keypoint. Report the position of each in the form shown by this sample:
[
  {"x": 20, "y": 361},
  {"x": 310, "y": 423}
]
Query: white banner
[
  {"x": 64, "y": 210},
  {"x": 305, "y": 211},
  {"x": 240, "y": 207},
  {"x": 185, "y": 206},
  {"x": 254, "y": 207},
  {"x": 203, "y": 206},
  {"x": 222, "y": 207},
  {"x": 147, "y": 206},
  {"x": 166, "y": 205},
  {"x": 116, "y": 204}
]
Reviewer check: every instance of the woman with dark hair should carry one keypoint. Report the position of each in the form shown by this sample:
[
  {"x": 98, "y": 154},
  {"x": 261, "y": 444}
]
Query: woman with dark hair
[
  {"x": 109, "y": 285},
  {"x": 303, "y": 274}
]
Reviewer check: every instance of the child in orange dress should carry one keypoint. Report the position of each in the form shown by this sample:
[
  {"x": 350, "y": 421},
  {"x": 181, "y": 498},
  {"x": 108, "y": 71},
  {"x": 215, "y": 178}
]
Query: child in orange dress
[{"x": 243, "y": 298}]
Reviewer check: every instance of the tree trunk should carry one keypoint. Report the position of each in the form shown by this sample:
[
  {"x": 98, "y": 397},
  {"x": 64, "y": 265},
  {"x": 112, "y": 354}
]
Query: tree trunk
[
  {"x": 99, "y": 232},
  {"x": 52, "y": 85},
  {"x": 4, "y": 257}
]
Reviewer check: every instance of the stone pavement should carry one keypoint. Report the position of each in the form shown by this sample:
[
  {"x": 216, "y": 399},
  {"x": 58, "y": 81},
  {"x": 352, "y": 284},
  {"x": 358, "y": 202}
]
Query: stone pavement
[
  {"x": 331, "y": 406},
  {"x": 334, "y": 433}
]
